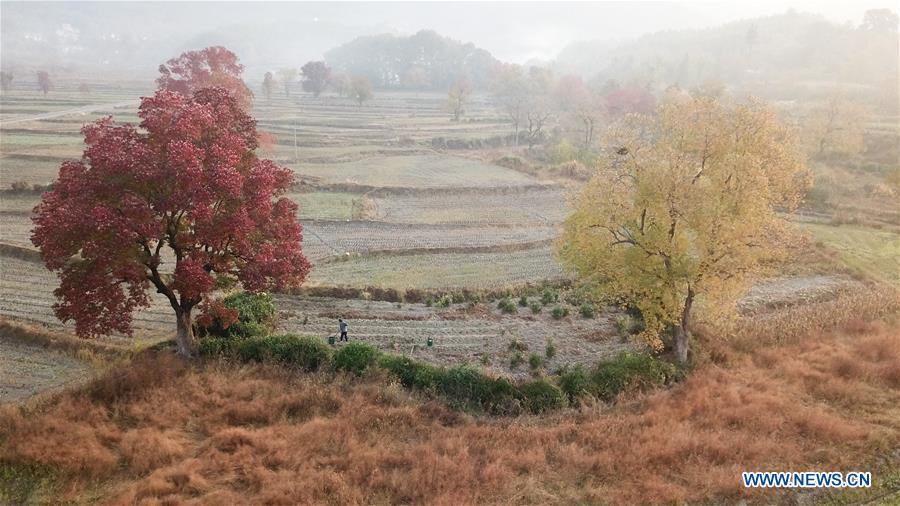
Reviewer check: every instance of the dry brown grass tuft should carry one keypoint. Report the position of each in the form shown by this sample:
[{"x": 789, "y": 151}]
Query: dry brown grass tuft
[{"x": 163, "y": 433}]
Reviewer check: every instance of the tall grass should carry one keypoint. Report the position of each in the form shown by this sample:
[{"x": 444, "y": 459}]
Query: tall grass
[{"x": 158, "y": 431}]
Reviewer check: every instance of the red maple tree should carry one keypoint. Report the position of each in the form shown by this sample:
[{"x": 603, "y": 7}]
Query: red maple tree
[
  {"x": 182, "y": 205},
  {"x": 209, "y": 67}
]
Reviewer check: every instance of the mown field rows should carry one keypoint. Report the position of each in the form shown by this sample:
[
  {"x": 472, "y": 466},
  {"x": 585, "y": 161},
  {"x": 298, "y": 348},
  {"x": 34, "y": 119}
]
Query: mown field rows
[
  {"x": 26, "y": 370},
  {"x": 528, "y": 207},
  {"x": 26, "y": 295},
  {"x": 324, "y": 239},
  {"x": 425, "y": 171},
  {"x": 328, "y": 239},
  {"x": 442, "y": 270}
]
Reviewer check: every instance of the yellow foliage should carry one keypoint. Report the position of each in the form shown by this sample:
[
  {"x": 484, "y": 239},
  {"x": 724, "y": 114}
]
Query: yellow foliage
[{"x": 684, "y": 205}]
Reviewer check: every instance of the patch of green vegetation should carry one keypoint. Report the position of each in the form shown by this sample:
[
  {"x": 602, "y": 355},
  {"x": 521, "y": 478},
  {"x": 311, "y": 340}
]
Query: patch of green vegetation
[
  {"x": 626, "y": 371},
  {"x": 255, "y": 312},
  {"x": 559, "y": 312},
  {"x": 874, "y": 253},
  {"x": 885, "y": 490},
  {"x": 324, "y": 205},
  {"x": 506, "y": 306},
  {"x": 26, "y": 484},
  {"x": 355, "y": 357},
  {"x": 441, "y": 271}
]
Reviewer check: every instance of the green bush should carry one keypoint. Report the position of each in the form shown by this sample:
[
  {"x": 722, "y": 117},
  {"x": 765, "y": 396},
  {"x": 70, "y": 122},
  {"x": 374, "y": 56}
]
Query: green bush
[
  {"x": 575, "y": 382},
  {"x": 411, "y": 373},
  {"x": 628, "y": 325},
  {"x": 559, "y": 312},
  {"x": 308, "y": 353},
  {"x": 505, "y": 305},
  {"x": 550, "y": 350},
  {"x": 587, "y": 310},
  {"x": 539, "y": 396},
  {"x": 254, "y": 349},
  {"x": 523, "y": 301},
  {"x": 445, "y": 301},
  {"x": 535, "y": 307},
  {"x": 214, "y": 346},
  {"x": 465, "y": 386},
  {"x": 515, "y": 360},
  {"x": 355, "y": 357},
  {"x": 256, "y": 317},
  {"x": 535, "y": 361},
  {"x": 549, "y": 297},
  {"x": 630, "y": 371}
]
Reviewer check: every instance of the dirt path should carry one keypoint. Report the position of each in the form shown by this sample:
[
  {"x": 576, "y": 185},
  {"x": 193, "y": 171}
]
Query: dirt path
[
  {"x": 78, "y": 110},
  {"x": 27, "y": 370}
]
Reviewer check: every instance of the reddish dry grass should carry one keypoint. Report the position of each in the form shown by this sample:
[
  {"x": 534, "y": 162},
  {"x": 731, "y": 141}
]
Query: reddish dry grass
[{"x": 160, "y": 432}]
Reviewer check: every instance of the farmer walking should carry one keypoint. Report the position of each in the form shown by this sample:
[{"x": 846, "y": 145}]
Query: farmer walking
[{"x": 343, "y": 326}]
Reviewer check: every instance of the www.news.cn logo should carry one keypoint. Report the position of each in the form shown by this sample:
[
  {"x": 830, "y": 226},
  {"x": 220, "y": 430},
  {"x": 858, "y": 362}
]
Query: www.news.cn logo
[{"x": 807, "y": 480}]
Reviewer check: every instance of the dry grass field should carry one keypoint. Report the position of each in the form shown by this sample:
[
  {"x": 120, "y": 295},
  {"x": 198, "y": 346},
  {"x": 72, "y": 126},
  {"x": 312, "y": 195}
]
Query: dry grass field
[{"x": 157, "y": 431}]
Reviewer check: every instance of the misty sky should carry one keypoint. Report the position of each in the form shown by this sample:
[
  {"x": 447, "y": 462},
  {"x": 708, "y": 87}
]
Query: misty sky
[{"x": 512, "y": 31}]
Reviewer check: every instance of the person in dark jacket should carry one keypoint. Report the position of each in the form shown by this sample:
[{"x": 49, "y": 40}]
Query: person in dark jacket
[{"x": 343, "y": 326}]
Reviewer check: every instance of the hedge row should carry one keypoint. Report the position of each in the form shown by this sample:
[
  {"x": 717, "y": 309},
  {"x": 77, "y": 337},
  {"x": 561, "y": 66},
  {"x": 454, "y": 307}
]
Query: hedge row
[{"x": 463, "y": 386}]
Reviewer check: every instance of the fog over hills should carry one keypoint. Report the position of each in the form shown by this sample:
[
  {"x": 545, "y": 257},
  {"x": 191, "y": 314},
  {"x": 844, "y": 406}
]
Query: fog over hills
[{"x": 131, "y": 39}]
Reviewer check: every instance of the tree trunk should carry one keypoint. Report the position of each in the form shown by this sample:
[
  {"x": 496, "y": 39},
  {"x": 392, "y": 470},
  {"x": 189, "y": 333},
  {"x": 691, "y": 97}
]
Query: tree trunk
[
  {"x": 682, "y": 332},
  {"x": 185, "y": 337}
]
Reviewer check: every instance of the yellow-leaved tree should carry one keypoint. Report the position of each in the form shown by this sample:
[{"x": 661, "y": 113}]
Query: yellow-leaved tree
[{"x": 683, "y": 207}]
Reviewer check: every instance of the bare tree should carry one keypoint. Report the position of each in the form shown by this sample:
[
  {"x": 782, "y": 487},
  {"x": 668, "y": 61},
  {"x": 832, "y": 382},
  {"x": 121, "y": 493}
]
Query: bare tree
[
  {"x": 288, "y": 76},
  {"x": 458, "y": 97}
]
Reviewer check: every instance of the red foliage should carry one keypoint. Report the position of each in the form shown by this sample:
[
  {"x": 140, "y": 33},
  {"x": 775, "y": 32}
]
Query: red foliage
[
  {"x": 214, "y": 66},
  {"x": 187, "y": 180},
  {"x": 630, "y": 100}
]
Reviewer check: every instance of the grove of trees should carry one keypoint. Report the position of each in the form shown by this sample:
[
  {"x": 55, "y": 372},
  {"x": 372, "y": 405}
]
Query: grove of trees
[{"x": 424, "y": 60}]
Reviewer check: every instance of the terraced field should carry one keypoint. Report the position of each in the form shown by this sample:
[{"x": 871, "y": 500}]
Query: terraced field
[
  {"x": 401, "y": 196},
  {"x": 27, "y": 370},
  {"x": 417, "y": 171},
  {"x": 379, "y": 207},
  {"x": 446, "y": 271}
]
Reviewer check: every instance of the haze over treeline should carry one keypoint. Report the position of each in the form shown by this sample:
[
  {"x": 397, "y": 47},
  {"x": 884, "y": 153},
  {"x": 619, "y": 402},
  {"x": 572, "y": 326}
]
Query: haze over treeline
[{"x": 779, "y": 56}]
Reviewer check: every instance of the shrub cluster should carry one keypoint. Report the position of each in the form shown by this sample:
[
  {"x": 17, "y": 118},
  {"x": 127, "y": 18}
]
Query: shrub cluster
[
  {"x": 559, "y": 312},
  {"x": 256, "y": 317},
  {"x": 355, "y": 357},
  {"x": 464, "y": 386},
  {"x": 507, "y": 306},
  {"x": 626, "y": 371}
]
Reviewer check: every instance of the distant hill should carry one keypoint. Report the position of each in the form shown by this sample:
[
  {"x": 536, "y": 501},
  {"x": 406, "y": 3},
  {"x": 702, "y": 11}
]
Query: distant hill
[
  {"x": 782, "y": 52},
  {"x": 425, "y": 60}
]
